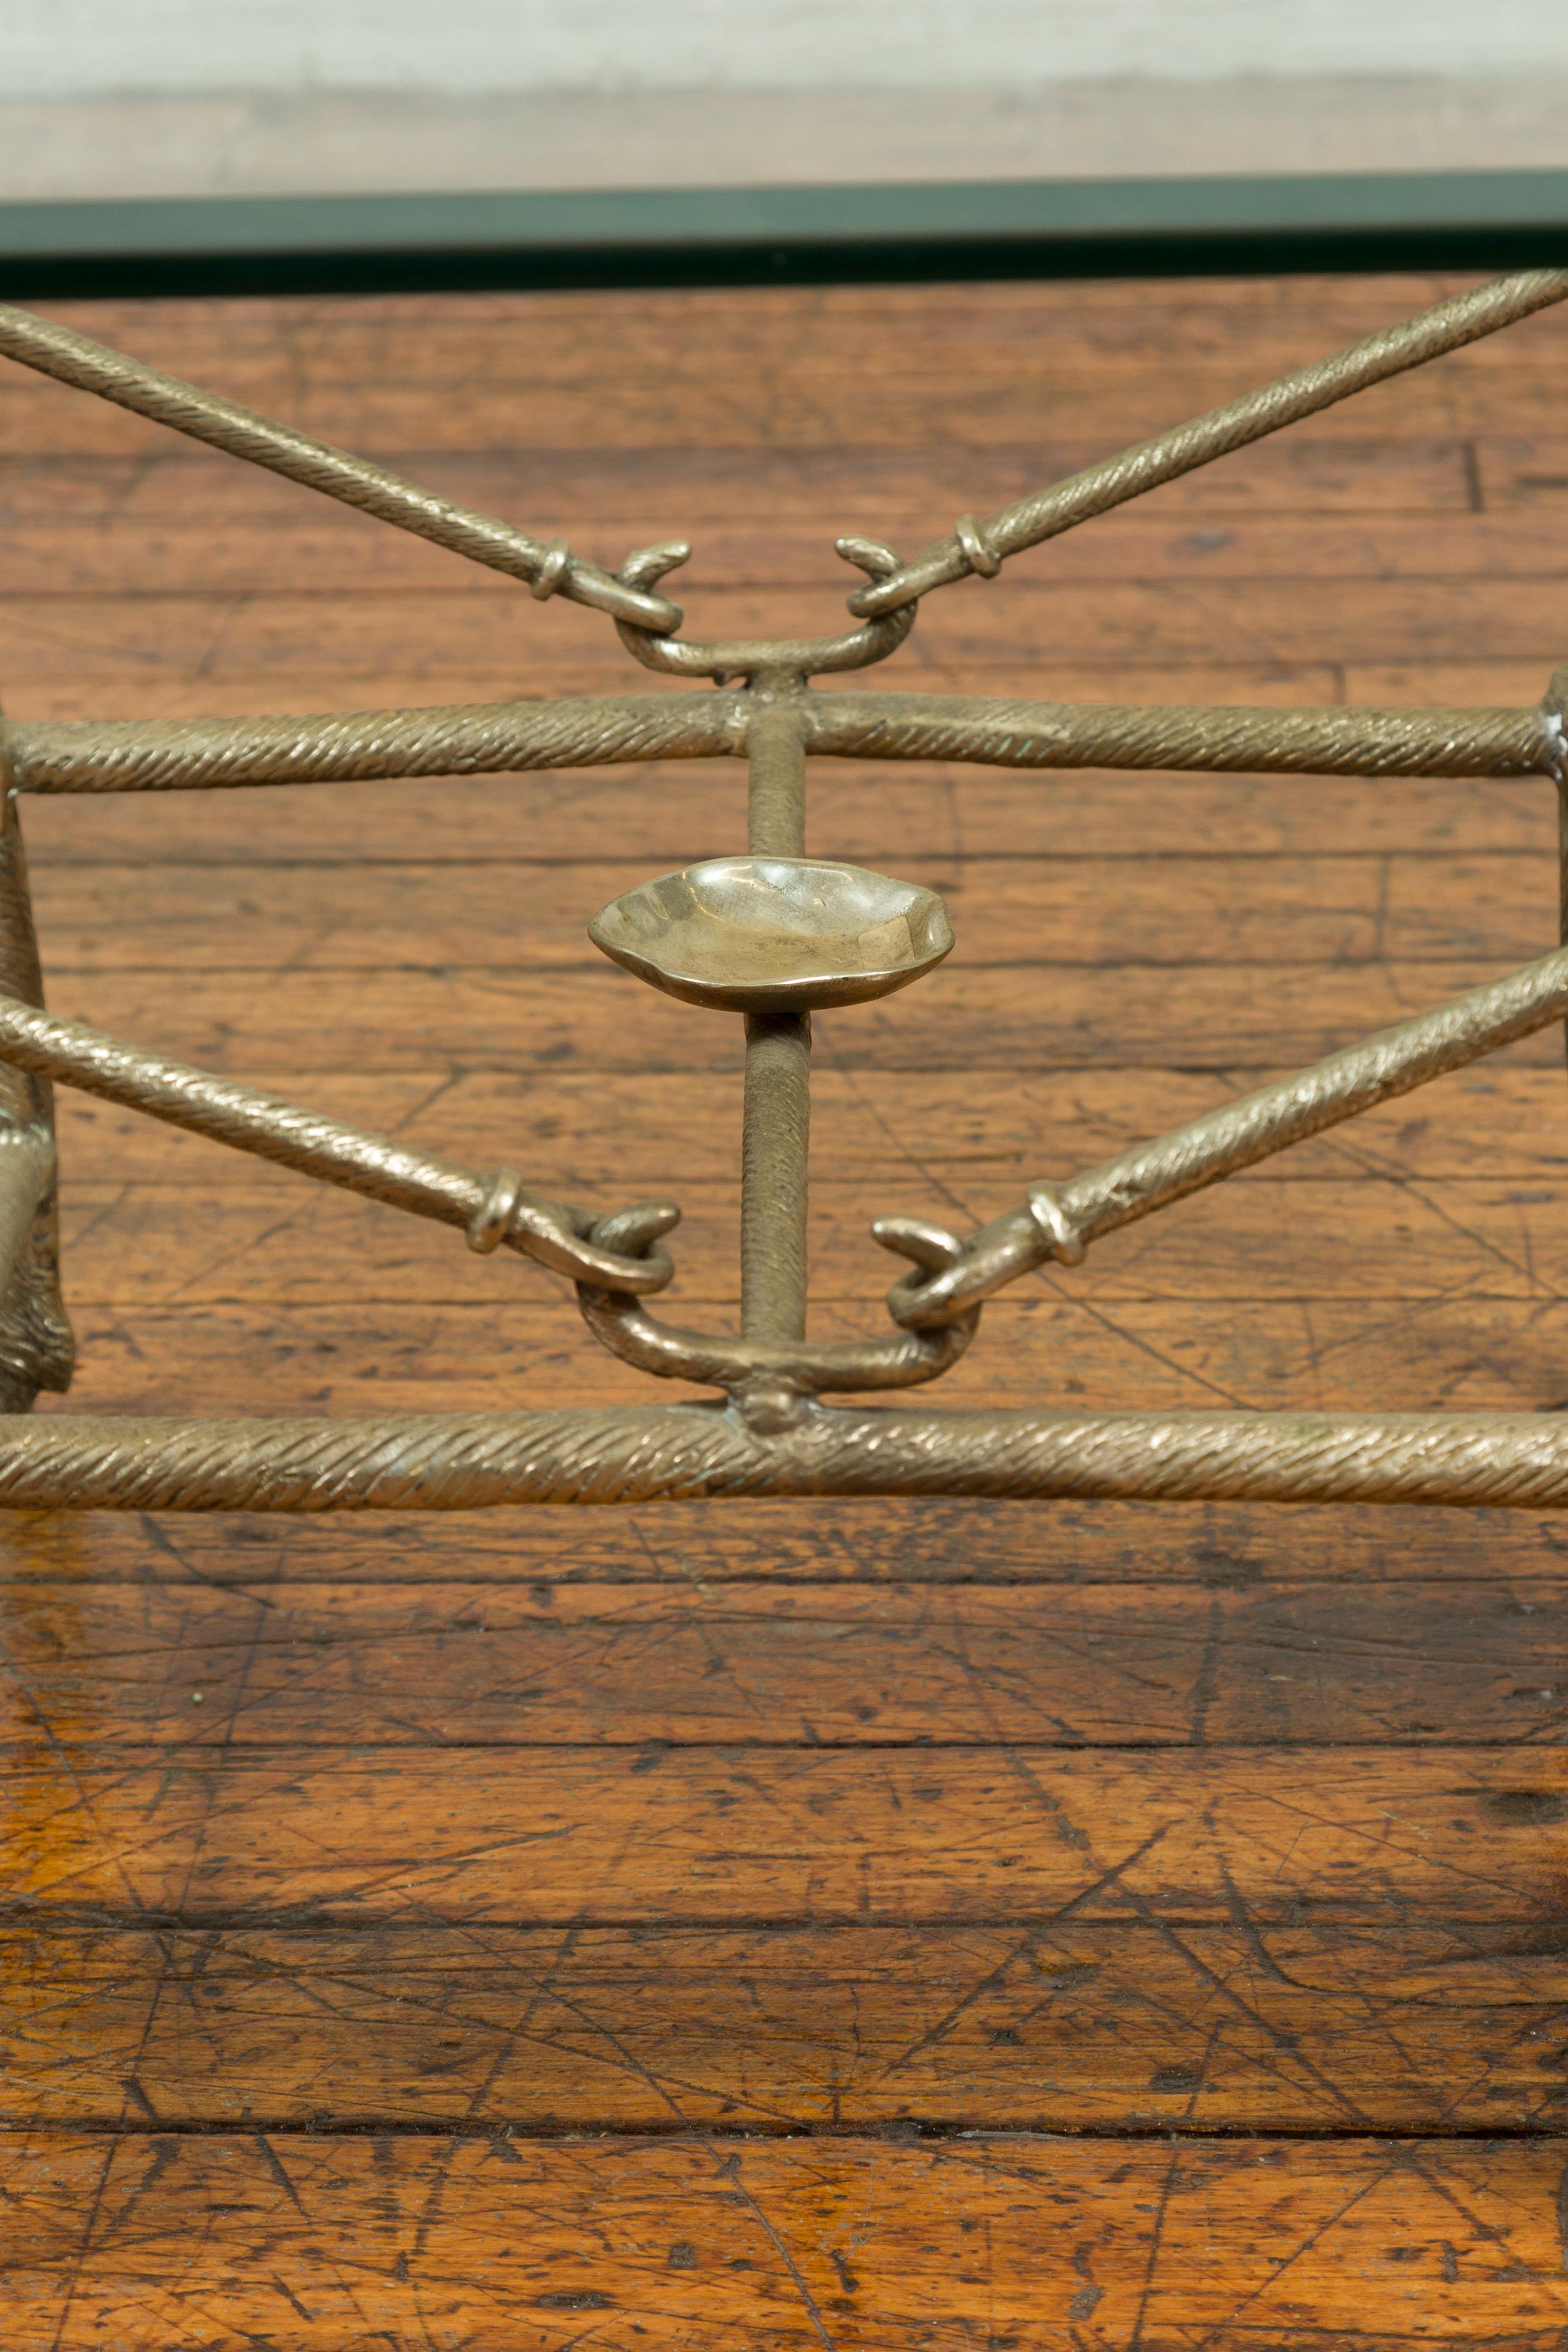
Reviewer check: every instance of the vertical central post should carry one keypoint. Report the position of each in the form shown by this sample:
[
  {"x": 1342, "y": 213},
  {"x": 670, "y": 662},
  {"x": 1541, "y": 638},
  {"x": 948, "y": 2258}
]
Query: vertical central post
[{"x": 776, "y": 1131}]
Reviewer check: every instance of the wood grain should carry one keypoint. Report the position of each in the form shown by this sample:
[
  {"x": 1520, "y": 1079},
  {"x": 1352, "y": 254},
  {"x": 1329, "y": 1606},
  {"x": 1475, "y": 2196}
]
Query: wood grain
[
  {"x": 943, "y": 812},
  {"x": 1015, "y": 2239},
  {"x": 1501, "y": 1120},
  {"x": 421, "y": 633},
  {"x": 998, "y": 1019},
  {"x": 559, "y": 1835},
  {"x": 691, "y": 1547},
  {"x": 1396, "y": 1355},
  {"x": 70, "y": 554},
  {"x": 838, "y": 1665},
  {"x": 1028, "y": 908},
  {"x": 140, "y": 1245},
  {"x": 1130, "y": 2025},
  {"x": 1085, "y": 1927}
]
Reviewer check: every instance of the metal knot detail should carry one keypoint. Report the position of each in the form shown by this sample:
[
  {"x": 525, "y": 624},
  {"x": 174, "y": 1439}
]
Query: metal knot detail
[
  {"x": 488, "y": 1226},
  {"x": 552, "y": 572},
  {"x": 978, "y": 551},
  {"x": 1046, "y": 1208}
]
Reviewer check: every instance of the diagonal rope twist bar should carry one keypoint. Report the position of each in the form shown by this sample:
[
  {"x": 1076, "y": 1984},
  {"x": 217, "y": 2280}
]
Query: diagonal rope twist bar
[
  {"x": 549, "y": 570},
  {"x": 1061, "y": 1220},
  {"x": 981, "y": 546},
  {"x": 557, "y": 1235}
]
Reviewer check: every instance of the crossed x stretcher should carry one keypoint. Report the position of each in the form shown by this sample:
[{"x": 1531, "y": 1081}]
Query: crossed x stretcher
[{"x": 768, "y": 936}]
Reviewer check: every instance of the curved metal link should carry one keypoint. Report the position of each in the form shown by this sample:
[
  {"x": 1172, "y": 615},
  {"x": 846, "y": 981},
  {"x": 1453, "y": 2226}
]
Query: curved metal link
[
  {"x": 800, "y": 657},
  {"x": 620, "y": 1253},
  {"x": 772, "y": 1381}
]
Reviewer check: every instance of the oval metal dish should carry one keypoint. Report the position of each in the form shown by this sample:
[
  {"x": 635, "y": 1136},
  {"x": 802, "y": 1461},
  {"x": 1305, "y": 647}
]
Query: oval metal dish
[{"x": 774, "y": 934}]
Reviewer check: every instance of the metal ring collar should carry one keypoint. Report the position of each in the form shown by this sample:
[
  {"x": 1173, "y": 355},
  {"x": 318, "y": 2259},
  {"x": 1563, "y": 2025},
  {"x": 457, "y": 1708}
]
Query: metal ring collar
[
  {"x": 558, "y": 562},
  {"x": 1046, "y": 1208},
  {"x": 488, "y": 1225},
  {"x": 978, "y": 551}
]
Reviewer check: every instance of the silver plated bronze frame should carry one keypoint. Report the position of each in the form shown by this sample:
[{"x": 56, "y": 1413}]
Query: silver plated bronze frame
[{"x": 767, "y": 1430}]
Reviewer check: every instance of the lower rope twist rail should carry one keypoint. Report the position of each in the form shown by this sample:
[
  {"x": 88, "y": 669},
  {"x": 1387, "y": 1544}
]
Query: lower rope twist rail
[{"x": 771, "y": 935}]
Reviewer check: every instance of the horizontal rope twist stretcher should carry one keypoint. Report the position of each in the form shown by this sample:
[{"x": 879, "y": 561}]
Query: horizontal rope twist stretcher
[
  {"x": 180, "y": 754},
  {"x": 677, "y": 1453},
  {"x": 517, "y": 738}
]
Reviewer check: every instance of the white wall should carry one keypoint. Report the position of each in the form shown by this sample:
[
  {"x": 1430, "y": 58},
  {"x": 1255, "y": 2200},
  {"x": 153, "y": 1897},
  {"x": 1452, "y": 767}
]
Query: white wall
[
  {"x": 146, "y": 97},
  {"x": 80, "y": 47}
]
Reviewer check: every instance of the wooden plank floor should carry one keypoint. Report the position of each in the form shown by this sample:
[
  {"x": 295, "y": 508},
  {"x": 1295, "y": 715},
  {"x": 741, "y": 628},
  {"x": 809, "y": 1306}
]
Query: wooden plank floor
[{"x": 766, "y": 1925}]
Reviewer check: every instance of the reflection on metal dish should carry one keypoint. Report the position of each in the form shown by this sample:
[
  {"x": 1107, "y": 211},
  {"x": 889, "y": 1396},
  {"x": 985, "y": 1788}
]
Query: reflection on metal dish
[{"x": 774, "y": 934}]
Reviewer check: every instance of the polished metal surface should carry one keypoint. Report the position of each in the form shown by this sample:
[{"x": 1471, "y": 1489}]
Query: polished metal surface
[
  {"x": 766, "y": 936},
  {"x": 490, "y": 739},
  {"x": 775, "y": 1117},
  {"x": 774, "y": 934}
]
